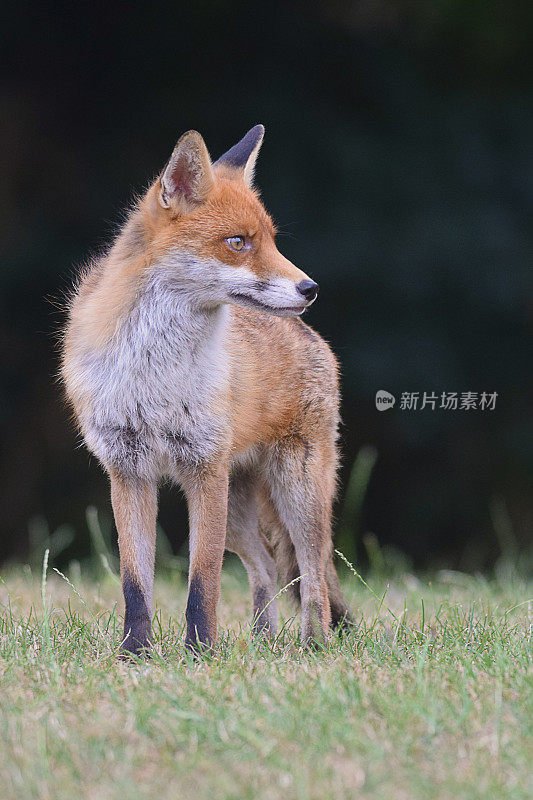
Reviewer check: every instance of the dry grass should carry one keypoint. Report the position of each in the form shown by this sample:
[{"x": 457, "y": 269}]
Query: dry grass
[{"x": 431, "y": 698}]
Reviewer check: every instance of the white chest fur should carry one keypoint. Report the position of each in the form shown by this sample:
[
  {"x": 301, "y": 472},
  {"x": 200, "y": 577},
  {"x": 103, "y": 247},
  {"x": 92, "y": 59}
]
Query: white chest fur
[{"x": 153, "y": 391}]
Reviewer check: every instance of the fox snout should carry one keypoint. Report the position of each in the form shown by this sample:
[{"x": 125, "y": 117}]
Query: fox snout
[
  {"x": 285, "y": 291},
  {"x": 285, "y": 287}
]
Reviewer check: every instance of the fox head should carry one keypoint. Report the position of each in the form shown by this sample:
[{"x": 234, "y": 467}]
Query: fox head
[{"x": 211, "y": 236}]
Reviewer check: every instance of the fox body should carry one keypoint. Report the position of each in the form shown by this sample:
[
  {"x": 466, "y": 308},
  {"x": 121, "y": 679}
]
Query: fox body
[{"x": 184, "y": 358}]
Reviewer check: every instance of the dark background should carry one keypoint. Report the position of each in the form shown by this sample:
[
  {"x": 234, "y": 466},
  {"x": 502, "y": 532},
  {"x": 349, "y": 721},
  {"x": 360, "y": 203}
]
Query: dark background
[{"x": 398, "y": 162}]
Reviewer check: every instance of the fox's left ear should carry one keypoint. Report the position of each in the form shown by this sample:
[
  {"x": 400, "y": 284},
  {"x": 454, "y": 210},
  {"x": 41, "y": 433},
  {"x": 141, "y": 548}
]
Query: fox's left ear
[{"x": 242, "y": 156}]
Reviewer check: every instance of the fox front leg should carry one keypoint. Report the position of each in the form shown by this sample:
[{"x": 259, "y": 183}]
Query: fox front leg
[
  {"x": 207, "y": 498},
  {"x": 135, "y": 508}
]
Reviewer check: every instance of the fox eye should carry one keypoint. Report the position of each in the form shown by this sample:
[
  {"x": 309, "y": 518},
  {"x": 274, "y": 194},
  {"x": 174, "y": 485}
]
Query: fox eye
[{"x": 236, "y": 242}]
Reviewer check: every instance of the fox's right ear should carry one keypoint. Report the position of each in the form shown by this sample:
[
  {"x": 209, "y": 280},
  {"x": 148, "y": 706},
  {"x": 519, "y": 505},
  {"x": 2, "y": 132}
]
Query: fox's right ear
[
  {"x": 242, "y": 156},
  {"x": 188, "y": 177}
]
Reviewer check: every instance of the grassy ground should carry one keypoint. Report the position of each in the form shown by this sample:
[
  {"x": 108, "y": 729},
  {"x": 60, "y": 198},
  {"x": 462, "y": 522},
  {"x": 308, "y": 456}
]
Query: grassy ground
[{"x": 431, "y": 698}]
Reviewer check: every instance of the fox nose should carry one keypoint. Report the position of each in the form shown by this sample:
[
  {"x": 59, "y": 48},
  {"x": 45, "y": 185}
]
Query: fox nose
[{"x": 309, "y": 289}]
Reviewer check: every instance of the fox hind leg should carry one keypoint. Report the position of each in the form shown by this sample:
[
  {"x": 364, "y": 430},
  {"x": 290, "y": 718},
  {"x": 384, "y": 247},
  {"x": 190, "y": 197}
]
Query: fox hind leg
[
  {"x": 245, "y": 538},
  {"x": 289, "y": 571},
  {"x": 301, "y": 479}
]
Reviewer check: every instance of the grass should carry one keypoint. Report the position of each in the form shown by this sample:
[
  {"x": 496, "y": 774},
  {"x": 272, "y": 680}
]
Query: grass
[{"x": 431, "y": 698}]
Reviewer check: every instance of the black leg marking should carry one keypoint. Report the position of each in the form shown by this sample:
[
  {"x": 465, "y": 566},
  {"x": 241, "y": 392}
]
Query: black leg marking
[
  {"x": 260, "y": 622},
  {"x": 196, "y": 616},
  {"x": 341, "y": 618},
  {"x": 137, "y": 622}
]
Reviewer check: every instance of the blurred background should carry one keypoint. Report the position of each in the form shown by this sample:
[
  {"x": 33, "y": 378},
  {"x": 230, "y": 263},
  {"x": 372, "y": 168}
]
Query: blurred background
[{"x": 398, "y": 163}]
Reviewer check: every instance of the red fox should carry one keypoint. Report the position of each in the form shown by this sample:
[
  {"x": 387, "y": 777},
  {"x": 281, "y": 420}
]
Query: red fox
[{"x": 184, "y": 358}]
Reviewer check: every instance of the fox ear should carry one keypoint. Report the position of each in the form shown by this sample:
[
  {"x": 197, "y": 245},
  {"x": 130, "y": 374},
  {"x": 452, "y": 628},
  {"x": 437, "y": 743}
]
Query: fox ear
[
  {"x": 243, "y": 155},
  {"x": 188, "y": 177}
]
